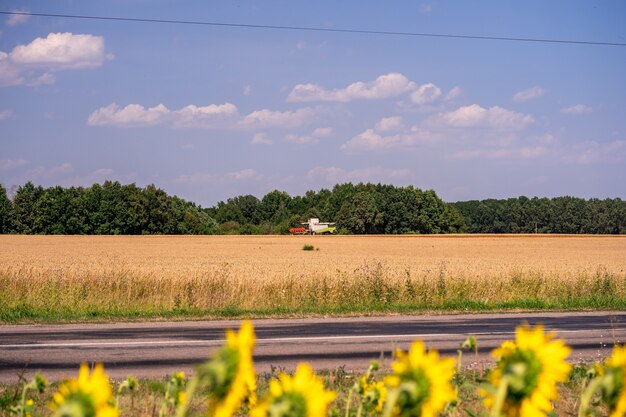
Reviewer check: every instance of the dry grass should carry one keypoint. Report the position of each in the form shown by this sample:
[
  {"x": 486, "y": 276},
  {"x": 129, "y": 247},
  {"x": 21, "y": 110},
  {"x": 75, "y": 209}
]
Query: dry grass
[{"x": 74, "y": 276}]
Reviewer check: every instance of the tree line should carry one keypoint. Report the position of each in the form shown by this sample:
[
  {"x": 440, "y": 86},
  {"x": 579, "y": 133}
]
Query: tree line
[
  {"x": 356, "y": 209},
  {"x": 107, "y": 209},
  {"x": 545, "y": 215},
  {"x": 113, "y": 208}
]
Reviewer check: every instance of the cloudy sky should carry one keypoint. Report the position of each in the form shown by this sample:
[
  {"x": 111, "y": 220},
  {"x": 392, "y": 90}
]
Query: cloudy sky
[{"x": 210, "y": 112}]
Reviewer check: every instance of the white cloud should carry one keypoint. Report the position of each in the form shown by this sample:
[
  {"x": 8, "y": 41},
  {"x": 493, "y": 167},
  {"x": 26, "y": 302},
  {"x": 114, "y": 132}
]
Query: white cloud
[
  {"x": 389, "y": 133},
  {"x": 313, "y": 138},
  {"x": 527, "y": 152},
  {"x": 244, "y": 175},
  {"x": 577, "y": 109},
  {"x": 335, "y": 175},
  {"x": 99, "y": 175},
  {"x": 426, "y": 94},
  {"x": 56, "y": 52},
  {"x": 133, "y": 115},
  {"x": 10, "y": 164},
  {"x": 529, "y": 94},
  {"x": 371, "y": 140},
  {"x": 43, "y": 79},
  {"x": 62, "y": 51},
  {"x": 265, "y": 118},
  {"x": 452, "y": 94},
  {"x": 389, "y": 124},
  {"x": 385, "y": 86},
  {"x": 6, "y": 114},
  {"x": 213, "y": 115},
  {"x": 304, "y": 139},
  {"x": 261, "y": 139},
  {"x": 17, "y": 19},
  {"x": 10, "y": 74},
  {"x": 322, "y": 132},
  {"x": 43, "y": 173},
  {"x": 136, "y": 115},
  {"x": 593, "y": 151},
  {"x": 477, "y": 116}
]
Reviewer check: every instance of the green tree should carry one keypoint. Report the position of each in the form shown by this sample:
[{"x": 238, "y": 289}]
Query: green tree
[
  {"x": 24, "y": 208},
  {"x": 6, "y": 211}
]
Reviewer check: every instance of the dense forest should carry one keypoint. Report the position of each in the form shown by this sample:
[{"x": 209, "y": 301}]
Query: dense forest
[
  {"x": 358, "y": 209},
  {"x": 112, "y": 208},
  {"x": 108, "y": 209},
  {"x": 544, "y": 215}
]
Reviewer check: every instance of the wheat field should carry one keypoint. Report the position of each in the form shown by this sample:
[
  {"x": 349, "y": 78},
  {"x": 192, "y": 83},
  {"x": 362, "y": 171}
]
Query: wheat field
[{"x": 93, "y": 276}]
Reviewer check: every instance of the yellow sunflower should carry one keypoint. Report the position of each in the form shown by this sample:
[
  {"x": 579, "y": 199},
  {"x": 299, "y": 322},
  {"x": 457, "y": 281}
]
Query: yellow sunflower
[
  {"x": 231, "y": 373},
  {"x": 613, "y": 382},
  {"x": 527, "y": 373},
  {"x": 302, "y": 395},
  {"x": 85, "y": 396},
  {"x": 374, "y": 395},
  {"x": 421, "y": 384}
]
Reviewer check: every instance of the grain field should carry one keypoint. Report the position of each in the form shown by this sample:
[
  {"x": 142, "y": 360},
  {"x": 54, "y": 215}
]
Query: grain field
[{"x": 99, "y": 276}]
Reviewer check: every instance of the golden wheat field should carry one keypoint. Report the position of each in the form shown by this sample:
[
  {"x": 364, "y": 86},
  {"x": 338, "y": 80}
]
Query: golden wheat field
[{"x": 138, "y": 275}]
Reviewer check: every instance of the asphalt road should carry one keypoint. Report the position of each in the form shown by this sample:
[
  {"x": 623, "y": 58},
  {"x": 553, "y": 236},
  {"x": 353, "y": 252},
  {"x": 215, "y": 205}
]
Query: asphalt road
[{"x": 154, "y": 349}]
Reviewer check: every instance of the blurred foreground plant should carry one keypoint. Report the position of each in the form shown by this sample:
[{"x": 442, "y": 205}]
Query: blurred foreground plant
[
  {"x": 302, "y": 395},
  {"x": 421, "y": 383},
  {"x": 89, "y": 395},
  {"x": 524, "y": 381},
  {"x": 174, "y": 393},
  {"x": 230, "y": 376},
  {"x": 610, "y": 383},
  {"x": 26, "y": 405}
]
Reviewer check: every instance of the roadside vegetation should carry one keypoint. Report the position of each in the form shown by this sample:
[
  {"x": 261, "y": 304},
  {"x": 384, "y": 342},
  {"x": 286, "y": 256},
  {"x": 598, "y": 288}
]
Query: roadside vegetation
[{"x": 531, "y": 377}]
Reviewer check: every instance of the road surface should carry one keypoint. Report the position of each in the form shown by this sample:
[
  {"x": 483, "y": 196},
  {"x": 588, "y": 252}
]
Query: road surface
[{"x": 155, "y": 349}]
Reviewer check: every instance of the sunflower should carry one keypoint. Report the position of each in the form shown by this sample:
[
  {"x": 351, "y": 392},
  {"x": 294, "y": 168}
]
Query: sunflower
[
  {"x": 420, "y": 384},
  {"x": 85, "y": 396},
  {"x": 374, "y": 395},
  {"x": 527, "y": 373},
  {"x": 231, "y": 373},
  {"x": 302, "y": 395},
  {"x": 613, "y": 382}
]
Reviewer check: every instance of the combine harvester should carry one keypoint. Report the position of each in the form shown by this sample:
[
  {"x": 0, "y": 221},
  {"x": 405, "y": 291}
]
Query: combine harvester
[{"x": 314, "y": 227}]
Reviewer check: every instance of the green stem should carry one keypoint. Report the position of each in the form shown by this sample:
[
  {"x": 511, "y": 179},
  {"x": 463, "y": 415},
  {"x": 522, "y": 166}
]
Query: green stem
[
  {"x": 116, "y": 401},
  {"x": 476, "y": 358},
  {"x": 392, "y": 398},
  {"x": 585, "y": 398},
  {"x": 191, "y": 389},
  {"x": 163, "y": 406},
  {"x": 458, "y": 363},
  {"x": 348, "y": 402},
  {"x": 360, "y": 410},
  {"x": 496, "y": 410},
  {"x": 23, "y": 401}
]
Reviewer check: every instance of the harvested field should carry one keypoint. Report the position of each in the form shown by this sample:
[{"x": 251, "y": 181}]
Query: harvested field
[{"x": 96, "y": 276}]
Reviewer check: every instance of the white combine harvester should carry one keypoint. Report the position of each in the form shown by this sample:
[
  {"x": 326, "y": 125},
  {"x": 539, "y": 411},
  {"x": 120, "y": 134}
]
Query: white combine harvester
[{"x": 314, "y": 227}]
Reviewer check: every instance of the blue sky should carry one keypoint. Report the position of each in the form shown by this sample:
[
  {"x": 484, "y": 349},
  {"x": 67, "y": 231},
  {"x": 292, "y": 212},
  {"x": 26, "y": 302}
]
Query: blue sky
[{"x": 209, "y": 112}]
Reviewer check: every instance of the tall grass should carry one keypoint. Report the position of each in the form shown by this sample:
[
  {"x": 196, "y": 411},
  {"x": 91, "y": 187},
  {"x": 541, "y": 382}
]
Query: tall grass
[{"x": 28, "y": 293}]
